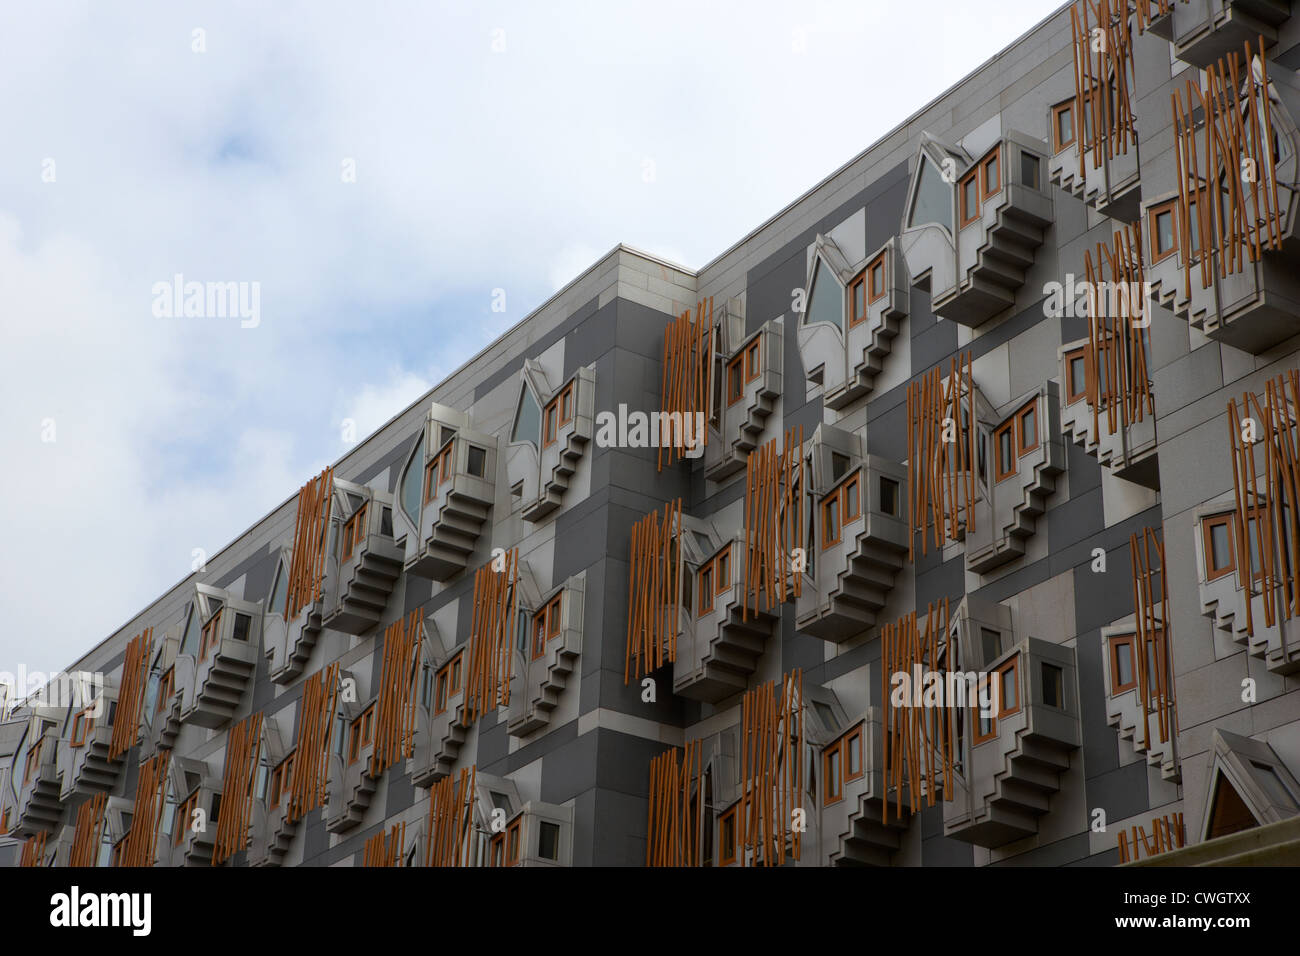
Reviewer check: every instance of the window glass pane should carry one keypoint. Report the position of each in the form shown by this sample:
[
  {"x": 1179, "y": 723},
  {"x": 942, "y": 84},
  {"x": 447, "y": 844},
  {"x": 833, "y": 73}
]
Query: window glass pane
[
  {"x": 833, "y": 773},
  {"x": 1065, "y": 124},
  {"x": 839, "y": 465},
  {"x": 889, "y": 496},
  {"x": 826, "y": 303},
  {"x": 528, "y": 419},
  {"x": 1077, "y": 374},
  {"x": 854, "y": 746},
  {"x": 548, "y": 841},
  {"x": 1123, "y": 664},
  {"x": 1277, "y": 791},
  {"x": 1029, "y": 170},
  {"x": 933, "y": 201},
  {"x": 1010, "y": 691},
  {"x": 190, "y": 643},
  {"x": 859, "y": 299},
  {"x": 969, "y": 206},
  {"x": 991, "y": 177},
  {"x": 1029, "y": 429},
  {"x": 242, "y": 623},
  {"x": 1006, "y": 456},
  {"x": 1053, "y": 688},
  {"x": 280, "y": 590},
  {"x": 477, "y": 461},
  {"x": 1193, "y": 239},
  {"x": 411, "y": 482},
  {"x": 1164, "y": 230},
  {"x": 990, "y": 644},
  {"x": 1219, "y": 546}
]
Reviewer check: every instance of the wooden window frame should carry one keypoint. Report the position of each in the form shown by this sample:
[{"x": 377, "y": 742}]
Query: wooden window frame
[
  {"x": 166, "y": 689},
  {"x": 354, "y": 529},
  {"x": 829, "y": 756},
  {"x": 1113, "y": 642},
  {"x": 497, "y": 850},
  {"x": 1074, "y": 391},
  {"x": 210, "y": 635},
  {"x": 964, "y": 215},
  {"x": 1012, "y": 665},
  {"x": 1059, "y": 145},
  {"x": 1207, "y": 545},
  {"x": 183, "y": 815},
  {"x": 858, "y": 285},
  {"x": 731, "y": 818},
  {"x": 718, "y": 569},
  {"x": 735, "y": 380},
  {"x": 992, "y": 158},
  {"x": 753, "y": 359},
  {"x": 977, "y": 737},
  {"x": 4, "y": 822},
  {"x": 431, "y": 477},
  {"x": 1008, "y": 426},
  {"x": 33, "y": 761},
  {"x": 851, "y": 739},
  {"x": 850, "y": 490},
  {"x": 1171, "y": 207},
  {"x": 514, "y": 841},
  {"x": 550, "y": 422},
  {"x": 1029, "y": 408},
  {"x": 546, "y": 624},
  {"x": 830, "y": 511},
  {"x": 566, "y": 404},
  {"x": 447, "y": 683},
  {"x": 360, "y": 733},
  {"x": 539, "y": 635},
  {"x": 83, "y": 722},
  {"x": 706, "y": 593},
  {"x": 876, "y": 292}
]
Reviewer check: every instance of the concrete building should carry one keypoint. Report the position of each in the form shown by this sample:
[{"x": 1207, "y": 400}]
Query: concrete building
[{"x": 506, "y": 629}]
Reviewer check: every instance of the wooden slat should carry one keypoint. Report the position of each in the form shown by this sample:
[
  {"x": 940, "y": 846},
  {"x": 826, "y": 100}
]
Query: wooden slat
[{"x": 130, "y": 698}]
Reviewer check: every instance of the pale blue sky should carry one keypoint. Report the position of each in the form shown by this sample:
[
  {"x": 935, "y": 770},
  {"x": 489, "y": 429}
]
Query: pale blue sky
[{"x": 496, "y": 145}]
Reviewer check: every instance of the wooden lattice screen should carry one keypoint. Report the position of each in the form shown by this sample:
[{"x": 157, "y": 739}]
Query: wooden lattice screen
[
  {"x": 492, "y": 636},
  {"x": 243, "y": 750},
  {"x": 1167, "y": 833},
  {"x": 315, "y": 728},
  {"x": 446, "y": 835},
  {"x": 687, "y": 380},
  {"x": 34, "y": 850},
  {"x": 1156, "y": 685},
  {"x": 395, "y": 713},
  {"x": 1237, "y": 214},
  {"x": 941, "y": 453},
  {"x": 676, "y": 805},
  {"x": 773, "y": 522},
  {"x": 654, "y": 587},
  {"x": 310, "y": 537},
  {"x": 1268, "y": 560},
  {"x": 1116, "y": 358},
  {"x": 771, "y": 771},
  {"x": 918, "y": 742},
  {"x": 89, "y": 833},
  {"x": 385, "y": 849},
  {"x": 130, "y": 696},
  {"x": 146, "y": 814},
  {"x": 1103, "y": 73}
]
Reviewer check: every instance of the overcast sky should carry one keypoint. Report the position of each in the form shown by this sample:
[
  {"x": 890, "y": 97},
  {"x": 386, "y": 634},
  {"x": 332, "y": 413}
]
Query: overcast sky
[{"x": 378, "y": 169}]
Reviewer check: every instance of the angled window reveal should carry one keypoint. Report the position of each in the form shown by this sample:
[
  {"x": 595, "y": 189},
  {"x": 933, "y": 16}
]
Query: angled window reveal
[
  {"x": 411, "y": 482},
  {"x": 279, "y": 590},
  {"x": 932, "y": 202},
  {"x": 826, "y": 300},
  {"x": 528, "y": 419}
]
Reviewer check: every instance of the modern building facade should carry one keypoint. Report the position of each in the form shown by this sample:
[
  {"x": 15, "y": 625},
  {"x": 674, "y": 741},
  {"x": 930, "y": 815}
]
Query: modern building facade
[{"x": 975, "y": 541}]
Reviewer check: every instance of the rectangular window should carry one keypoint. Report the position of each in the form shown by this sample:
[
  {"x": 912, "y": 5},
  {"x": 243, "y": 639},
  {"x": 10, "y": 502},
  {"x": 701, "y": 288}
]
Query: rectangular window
[
  {"x": 1053, "y": 685},
  {"x": 714, "y": 578},
  {"x": 990, "y": 644},
  {"x": 513, "y": 833},
  {"x": 751, "y": 361},
  {"x": 477, "y": 464},
  {"x": 858, "y": 300},
  {"x": 546, "y": 625},
  {"x": 211, "y": 635},
  {"x": 1062, "y": 125},
  {"x": 548, "y": 841},
  {"x": 1027, "y": 433},
  {"x": 566, "y": 404},
  {"x": 354, "y": 532},
  {"x": 889, "y": 497},
  {"x": 986, "y": 728},
  {"x": 444, "y": 472},
  {"x": 970, "y": 199},
  {"x": 497, "y": 851},
  {"x": 1122, "y": 675},
  {"x": 877, "y": 285},
  {"x": 735, "y": 380},
  {"x": 1193, "y": 230},
  {"x": 1163, "y": 223},
  {"x": 830, "y": 521},
  {"x": 166, "y": 688},
  {"x": 4, "y": 822},
  {"x": 853, "y": 754},
  {"x": 1216, "y": 539},
  {"x": 1005, "y": 441},
  {"x": 727, "y": 838},
  {"x": 33, "y": 761},
  {"x": 431, "y": 478},
  {"x": 1009, "y": 687},
  {"x": 991, "y": 174},
  {"x": 1029, "y": 169},
  {"x": 185, "y": 816},
  {"x": 447, "y": 683},
  {"x": 539, "y": 634},
  {"x": 552, "y": 416},
  {"x": 1076, "y": 372},
  {"x": 831, "y": 771},
  {"x": 706, "y": 588},
  {"x": 851, "y": 498}
]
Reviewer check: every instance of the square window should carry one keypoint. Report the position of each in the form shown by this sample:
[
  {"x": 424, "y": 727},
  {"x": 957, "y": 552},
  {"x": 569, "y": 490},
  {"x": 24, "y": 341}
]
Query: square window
[{"x": 889, "y": 497}]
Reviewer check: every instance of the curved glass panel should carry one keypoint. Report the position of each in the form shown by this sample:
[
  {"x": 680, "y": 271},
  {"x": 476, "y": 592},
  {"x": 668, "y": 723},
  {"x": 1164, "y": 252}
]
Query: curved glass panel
[
  {"x": 411, "y": 484},
  {"x": 933, "y": 200},
  {"x": 190, "y": 642},
  {"x": 279, "y": 590},
  {"x": 528, "y": 419},
  {"x": 826, "y": 303}
]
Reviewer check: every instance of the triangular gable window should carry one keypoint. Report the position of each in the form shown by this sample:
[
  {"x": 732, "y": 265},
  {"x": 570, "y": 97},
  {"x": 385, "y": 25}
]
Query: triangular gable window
[
  {"x": 1228, "y": 813},
  {"x": 826, "y": 303},
  {"x": 932, "y": 201},
  {"x": 528, "y": 419},
  {"x": 411, "y": 477}
]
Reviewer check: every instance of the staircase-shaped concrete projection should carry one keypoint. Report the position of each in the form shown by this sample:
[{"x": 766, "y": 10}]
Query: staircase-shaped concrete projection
[
  {"x": 557, "y": 483},
  {"x": 861, "y": 589},
  {"x": 990, "y": 286},
  {"x": 730, "y": 655},
  {"x": 368, "y": 582}
]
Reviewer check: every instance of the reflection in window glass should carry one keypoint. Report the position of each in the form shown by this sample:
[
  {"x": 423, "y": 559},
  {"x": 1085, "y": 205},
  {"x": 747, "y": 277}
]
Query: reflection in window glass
[
  {"x": 826, "y": 304},
  {"x": 528, "y": 419},
  {"x": 411, "y": 482},
  {"x": 933, "y": 202}
]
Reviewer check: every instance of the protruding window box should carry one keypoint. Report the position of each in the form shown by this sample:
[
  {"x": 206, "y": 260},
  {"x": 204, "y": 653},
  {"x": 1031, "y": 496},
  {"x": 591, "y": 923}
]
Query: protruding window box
[
  {"x": 1111, "y": 185},
  {"x": 1223, "y": 593},
  {"x": 192, "y": 836},
  {"x": 851, "y": 772},
  {"x": 455, "y": 489},
  {"x": 974, "y": 238},
  {"x": 36, "y": 781},
  {"x": 350, "y": 782},
  {"x": 1025, "y": 454},
  {"x": 272, "y": 830},
  {"x": 87, "y": 768},
  {"x": 289, "y": 640},
  {"x": 1011, "y": 763},
  {"x": 553, "y": 642},
  {"x": 369, "y": 560},
  {"x": 160, "y": 722},
  {"x": 540, "y": 834},
  {"x": 1204, "y": 30},
  {"x": 858, "y": 547},
  {"x": 221, "y": 642},
  {"x": 568, "y": 423},
  {"x": 719, "y": 643},
  {"x": 1130, "y": 450},
  {"x": 440, "y": 733},
  {"x": 843, "y": 344},
  {"x": 748, "y": 393},
  {"x": 1121, "y": 678}
]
